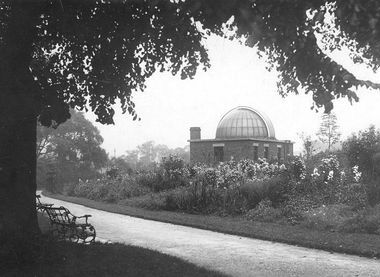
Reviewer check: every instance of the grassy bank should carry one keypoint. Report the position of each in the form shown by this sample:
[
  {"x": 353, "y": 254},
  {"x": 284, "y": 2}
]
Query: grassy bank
[
  {"x": 70, "y": 259},
  {"x": 359, "y": 244}
]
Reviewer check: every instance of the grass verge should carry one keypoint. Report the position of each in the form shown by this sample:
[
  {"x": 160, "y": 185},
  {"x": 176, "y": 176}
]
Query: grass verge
[
  {"x": 70, "y": 259},
  {"x": 366, "y": 245}
]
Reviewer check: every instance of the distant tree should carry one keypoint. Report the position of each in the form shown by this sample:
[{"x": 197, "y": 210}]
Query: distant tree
[
  {"x": 308, "y": 146},
  {"x": 161, "y": 151},
  {"x": 119, "y": 165},
  {"x": 183, "y": 153},
  {"x": 147, "y": 153},
  {"x": 73, "y": 148},
  {"x": 132, "y": 158},
  {"x": 328, "y": 131}
]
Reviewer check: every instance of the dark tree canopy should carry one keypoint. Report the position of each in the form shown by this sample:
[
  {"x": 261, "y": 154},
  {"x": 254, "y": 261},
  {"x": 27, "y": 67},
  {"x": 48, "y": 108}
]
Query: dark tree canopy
[
  {"x": 102, "y": 51},
  {"x": 285, "y": 30}
]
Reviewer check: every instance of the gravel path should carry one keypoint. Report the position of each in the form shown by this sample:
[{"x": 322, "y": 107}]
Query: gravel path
[{"x": 233, "y": 255}]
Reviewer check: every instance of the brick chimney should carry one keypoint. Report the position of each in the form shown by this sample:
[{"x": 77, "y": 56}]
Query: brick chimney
[{"x": 195, "y": 133}]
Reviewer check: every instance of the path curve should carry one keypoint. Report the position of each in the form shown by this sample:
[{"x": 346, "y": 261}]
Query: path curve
[{"x": 233, "y": 255}]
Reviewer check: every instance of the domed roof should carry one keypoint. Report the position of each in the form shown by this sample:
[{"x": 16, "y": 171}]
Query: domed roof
[{"x": 244, "y": 122}]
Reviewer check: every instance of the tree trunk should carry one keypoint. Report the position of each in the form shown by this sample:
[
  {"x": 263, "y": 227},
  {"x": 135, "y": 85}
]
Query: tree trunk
[
  {"x": 18, "y": 170},
  {"x": 18, "y": 112}
]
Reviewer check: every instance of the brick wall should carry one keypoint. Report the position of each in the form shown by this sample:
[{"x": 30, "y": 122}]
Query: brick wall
[{"x": 203, "y": 150}]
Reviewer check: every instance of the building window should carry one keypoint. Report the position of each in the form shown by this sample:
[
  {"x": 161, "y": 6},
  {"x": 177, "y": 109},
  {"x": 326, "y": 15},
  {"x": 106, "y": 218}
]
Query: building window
[
  {"x": 279, "y": 153},
  {"x": 218, "y": 153},
  {"x": 266, "y": 152},
  {"x": 255, "y": 152}
]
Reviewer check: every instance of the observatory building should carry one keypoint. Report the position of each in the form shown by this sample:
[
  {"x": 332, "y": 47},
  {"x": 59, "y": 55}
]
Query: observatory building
[{"x": 242, "y": 133}]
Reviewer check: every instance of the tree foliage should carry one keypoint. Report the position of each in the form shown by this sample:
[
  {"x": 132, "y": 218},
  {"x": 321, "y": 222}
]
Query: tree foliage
[
  {"x": 149, "y": 154},
  {"x": 286, "y": 32},
  {"x": 96, "y": 52},
  {"x": 71, "y": 151},
  {"x": 363, "y": 149},
  {"x": 329, "y": 130},
  {"x": 101, "y": 51},
  {"x": 308, "y": 146}
]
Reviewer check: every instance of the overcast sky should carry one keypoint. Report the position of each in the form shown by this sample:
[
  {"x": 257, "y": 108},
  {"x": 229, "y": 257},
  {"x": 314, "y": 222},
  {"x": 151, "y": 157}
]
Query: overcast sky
[{"x": 237, "y": 77}]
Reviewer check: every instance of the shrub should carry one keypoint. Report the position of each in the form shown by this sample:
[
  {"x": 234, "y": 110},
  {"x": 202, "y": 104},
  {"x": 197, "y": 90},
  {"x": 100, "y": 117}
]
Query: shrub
[
  {"x": 365, "y": 221},
  {"x": 373, "y": 191},
  {"x": 69, "y": 189},
  {"x": 172, "y": 164},
  {"x": 198, "y": 196},
  {"x": 278, "y": 188},
  {"x": 113, "y": 173},
  {"x": 274, "y": 188},
  {"x": 148, "y": 178},
  {"x": 352, "y": 194},
  {"x": 99, "y": 190},
  {"x": 82, "y": 189},
  {"x": 361, "y": 150},
  {"x": 253, "y": 192},
  {"x": 297, "y": 168},
  {"x": 294, "y": 207},
  {"x": 127, "y": 186},
  {"x": 159, "y": 180},
  {"x": 181, "y": 199},
  {"x": 264, "y": 212},
  {"x": 329, "y": 217}
]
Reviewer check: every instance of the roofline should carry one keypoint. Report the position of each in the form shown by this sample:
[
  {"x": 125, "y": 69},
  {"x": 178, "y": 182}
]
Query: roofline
[{"x": 241, "y": 139}]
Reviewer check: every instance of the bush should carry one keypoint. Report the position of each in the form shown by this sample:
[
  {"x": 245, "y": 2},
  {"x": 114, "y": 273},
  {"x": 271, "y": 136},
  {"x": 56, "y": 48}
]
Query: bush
[
  {"x": 278, "y": 188},
  {"x": 148, "y": 179},
  {"x": 198, "y": 196},
  {"x": 182, "y": 199},
  {"x": 158, "y": 180},
  {"x": 264, "y": 212},
  {"x": 275, "y": 189},
  {"x": 172, "y": 164},
  {"x": 353, "y": 194},
  {"x": 297, "y": 168},
  {"x": 69, "y": 189},
  {"x": 329, "y": 217},
  {"x": 110, "y": 189},
  {"x": 373, "y": 191},
  {"x": 82, "y": 189},
  {"x": 113, "y": 173},
  {"x": 293, "y": 208},
  {"x": 365, "y": 221},
  {"x": 253, "y": 192}
]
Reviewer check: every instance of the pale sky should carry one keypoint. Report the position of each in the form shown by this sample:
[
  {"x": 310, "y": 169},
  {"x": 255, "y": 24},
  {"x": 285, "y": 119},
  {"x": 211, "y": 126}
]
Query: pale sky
[{"x": 170, "y": 106}]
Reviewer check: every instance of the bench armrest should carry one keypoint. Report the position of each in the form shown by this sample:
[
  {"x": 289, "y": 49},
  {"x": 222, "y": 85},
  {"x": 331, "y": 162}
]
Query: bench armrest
[{"x": 86, "y": 216}]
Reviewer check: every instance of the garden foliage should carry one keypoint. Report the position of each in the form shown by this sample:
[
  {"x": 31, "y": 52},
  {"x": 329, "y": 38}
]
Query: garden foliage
[
  {"x": 363, "y": 152},
  {"x": 324, "y": 196}
]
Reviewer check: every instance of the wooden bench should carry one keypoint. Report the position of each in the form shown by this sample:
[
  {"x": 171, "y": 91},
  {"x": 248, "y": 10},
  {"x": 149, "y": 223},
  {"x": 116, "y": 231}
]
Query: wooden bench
[{"x": 65, "y": 225}]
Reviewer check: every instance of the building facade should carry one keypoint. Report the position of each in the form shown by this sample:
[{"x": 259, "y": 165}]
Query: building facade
[{"x": 242, "y": 133}]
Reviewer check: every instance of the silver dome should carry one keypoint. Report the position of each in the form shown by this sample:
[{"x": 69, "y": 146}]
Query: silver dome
[{"x": 244, "y": 122}]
